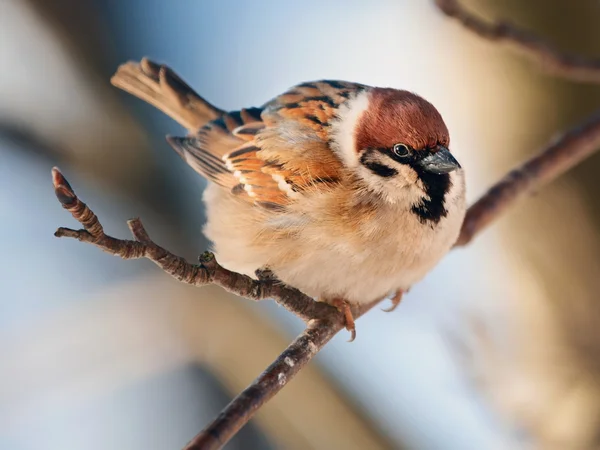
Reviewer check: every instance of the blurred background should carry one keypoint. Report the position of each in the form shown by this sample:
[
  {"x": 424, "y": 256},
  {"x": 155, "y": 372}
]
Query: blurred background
[{"x": 498, "y": 348}]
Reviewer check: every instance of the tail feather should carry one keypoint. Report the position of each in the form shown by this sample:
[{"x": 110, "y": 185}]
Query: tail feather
[{"x": 164, "y": 89}]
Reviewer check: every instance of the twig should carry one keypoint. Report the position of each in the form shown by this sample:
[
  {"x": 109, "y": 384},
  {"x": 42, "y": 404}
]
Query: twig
[
  {"x": 207, "y": 272},
  {"x": 567, "y": 151},
  {"x": 567, "y": 65}
]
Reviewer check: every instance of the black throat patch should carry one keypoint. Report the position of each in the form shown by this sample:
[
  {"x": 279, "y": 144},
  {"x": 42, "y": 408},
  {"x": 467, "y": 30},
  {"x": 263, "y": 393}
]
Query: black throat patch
[{"x": 432, "y": 209}]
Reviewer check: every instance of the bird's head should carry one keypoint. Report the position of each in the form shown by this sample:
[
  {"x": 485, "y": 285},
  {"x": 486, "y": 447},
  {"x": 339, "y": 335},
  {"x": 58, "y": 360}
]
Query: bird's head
[{"x": 397, "y": 144}]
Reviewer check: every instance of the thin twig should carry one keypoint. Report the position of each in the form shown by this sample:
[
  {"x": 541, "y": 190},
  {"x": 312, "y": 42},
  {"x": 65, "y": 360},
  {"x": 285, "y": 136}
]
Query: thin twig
[
  {"x": 567, "y": 65},
  {"x": 570, "y": 149},
  {"x": 207, "y": 272}
]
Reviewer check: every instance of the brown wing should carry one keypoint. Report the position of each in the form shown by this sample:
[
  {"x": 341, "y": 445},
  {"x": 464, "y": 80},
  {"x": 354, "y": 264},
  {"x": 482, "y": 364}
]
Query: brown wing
[
  {"x": 273, "y": 155},
  {"x": 312, "y": 104},
  {"x": 291, "y": 154}
]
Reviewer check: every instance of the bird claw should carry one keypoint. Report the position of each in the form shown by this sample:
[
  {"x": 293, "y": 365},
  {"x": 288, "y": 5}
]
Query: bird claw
[
  {"x": 344, "y": 307},
  {"x": 396, "y": 299},
  {"x": 265, "y": 274},
  {"x": 352, "y": 334}
]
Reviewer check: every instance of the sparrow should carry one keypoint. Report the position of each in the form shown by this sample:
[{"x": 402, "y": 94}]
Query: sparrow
[{"x": 344, "y": 191}]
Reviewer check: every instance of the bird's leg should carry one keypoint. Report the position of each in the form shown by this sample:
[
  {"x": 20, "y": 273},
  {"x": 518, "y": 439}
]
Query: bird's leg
[
  {"x": 396, "y": 299},
  {"x": 344, "y": 307}
]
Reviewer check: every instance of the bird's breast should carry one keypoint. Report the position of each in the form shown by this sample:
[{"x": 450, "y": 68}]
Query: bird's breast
[
  {"x": 331, "y": 249},
  {"x": 364, "y": 257}
]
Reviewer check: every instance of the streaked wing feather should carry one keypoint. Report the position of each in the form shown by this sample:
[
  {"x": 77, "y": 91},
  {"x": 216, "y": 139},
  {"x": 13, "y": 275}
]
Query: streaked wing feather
[
  {"x": 202, "y": 161},
  {"x": 289, "y": 154},
  {"x": 249, "y": 131},
  {"x": 204, "y": 150}
]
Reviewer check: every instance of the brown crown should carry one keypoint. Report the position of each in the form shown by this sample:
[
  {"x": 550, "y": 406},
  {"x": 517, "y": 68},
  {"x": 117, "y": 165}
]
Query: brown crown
[{"x": 396, "y": 116}]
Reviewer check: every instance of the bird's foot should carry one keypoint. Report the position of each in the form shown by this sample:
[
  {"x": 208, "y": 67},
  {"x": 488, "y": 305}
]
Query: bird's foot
[
  {"x": 265, "y": 274},
  {"x": 396, "y": 299},
  {"x": 344, "y": 307}
]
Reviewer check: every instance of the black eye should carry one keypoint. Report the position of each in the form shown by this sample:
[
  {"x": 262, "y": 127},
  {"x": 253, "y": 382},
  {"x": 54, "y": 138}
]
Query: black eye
[{"x": 401, "y": 150}]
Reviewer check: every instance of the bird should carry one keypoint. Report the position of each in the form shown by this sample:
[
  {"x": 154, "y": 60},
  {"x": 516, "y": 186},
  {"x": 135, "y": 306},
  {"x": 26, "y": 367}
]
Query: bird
[{"x": 345, "y": 191}]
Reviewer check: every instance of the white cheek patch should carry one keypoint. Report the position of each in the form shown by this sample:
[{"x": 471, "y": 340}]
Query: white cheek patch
[
  {"x": 404, "y": 189},
  {"x": 343, "y": 129}
]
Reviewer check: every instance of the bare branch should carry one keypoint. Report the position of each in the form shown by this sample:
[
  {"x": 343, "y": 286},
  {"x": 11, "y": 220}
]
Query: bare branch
[
  {"x": 208, "y": 271},
  {"x": 270, "y": 382},
  {"x": 567, "y": 65}
]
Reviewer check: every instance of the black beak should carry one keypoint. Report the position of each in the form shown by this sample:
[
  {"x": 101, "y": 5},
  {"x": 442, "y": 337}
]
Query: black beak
[{"x": 440, "y": 162}]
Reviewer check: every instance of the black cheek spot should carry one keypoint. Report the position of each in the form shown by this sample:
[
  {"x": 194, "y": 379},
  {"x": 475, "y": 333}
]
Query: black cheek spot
[{"x": 380, "y": 169}]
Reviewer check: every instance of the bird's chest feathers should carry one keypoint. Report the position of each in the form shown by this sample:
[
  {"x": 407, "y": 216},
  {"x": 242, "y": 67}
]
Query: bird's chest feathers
[
  {"x": 390, "y": 243},
  {"x": 388, "y": 240}
]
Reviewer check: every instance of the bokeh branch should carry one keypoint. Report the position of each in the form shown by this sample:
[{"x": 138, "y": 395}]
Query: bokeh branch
[
  {"x": 570, "y": 149},
  {"x": 559, "y": 156},
  {"x": 567, "y": 65}
]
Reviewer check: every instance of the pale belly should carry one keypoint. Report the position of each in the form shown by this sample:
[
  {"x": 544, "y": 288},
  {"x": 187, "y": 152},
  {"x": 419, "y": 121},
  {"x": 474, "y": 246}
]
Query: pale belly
[
  {"x": 388, "y": 263},
  {"x": 327, "y": 261}
]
